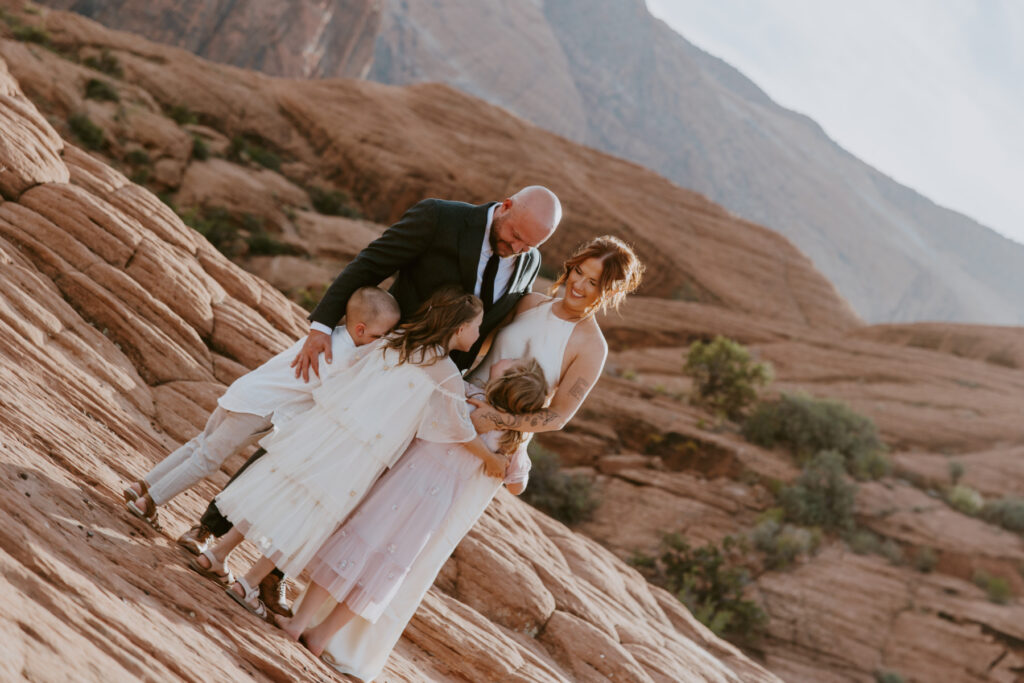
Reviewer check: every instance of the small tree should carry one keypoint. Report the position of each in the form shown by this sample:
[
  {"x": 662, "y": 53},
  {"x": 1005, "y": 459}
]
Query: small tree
[{"x": 726, "y": 378}]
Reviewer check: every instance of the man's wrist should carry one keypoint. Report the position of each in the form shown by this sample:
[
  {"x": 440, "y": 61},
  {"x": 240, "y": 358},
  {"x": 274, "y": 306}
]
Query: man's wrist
[{"x": 320, "y": 327}]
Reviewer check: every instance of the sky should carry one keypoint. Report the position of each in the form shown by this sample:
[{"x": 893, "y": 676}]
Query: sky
[{"x": 930, "y": 92}]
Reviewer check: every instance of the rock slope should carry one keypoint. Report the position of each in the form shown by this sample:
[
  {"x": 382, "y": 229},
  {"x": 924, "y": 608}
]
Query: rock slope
[
  {"x": 607, "y": 74},
  {"x": 119, "y": 327}
]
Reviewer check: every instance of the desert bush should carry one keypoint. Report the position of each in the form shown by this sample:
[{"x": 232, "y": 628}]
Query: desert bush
[
  {"x": 925, "y": 559},
  {"x": 956, "y": 470},
  {"x": 87, "y": 132},
  {"x": 243, "y": 150},
  {"x": 891, "y": 551},
  {"x": 863, "y": 542},
  {"x": 181, "y": 115},
  {"x": 870, "y": 465},
  {"x": 888, "y": 677},
  {"x": 821, "y": 495},
  {"x": 105, "y": 63},
  {"x": 568, "y": 498},
  {"x": 99, "y": 89},
  {"x": 709, "y": 581},
  {"x": 138, "y": 157},
  {"x": 31, "y": 34},
  {"x": 332, "y": 202},
  {"x": 782, "y": 544},
  {"x": 726, "y": 379},
  {"x": 1006, "y": 512},
  {"x": 996, "y": 587},
  {"x": 965, "y": 499},
  {"x": 218, "y": 227},
  {"x": 807, "y": 426},
  {"x": 200, "y": 150}
]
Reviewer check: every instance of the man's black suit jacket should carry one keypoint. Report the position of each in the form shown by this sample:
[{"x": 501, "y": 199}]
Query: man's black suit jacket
[{"x": 436, "y": 243}]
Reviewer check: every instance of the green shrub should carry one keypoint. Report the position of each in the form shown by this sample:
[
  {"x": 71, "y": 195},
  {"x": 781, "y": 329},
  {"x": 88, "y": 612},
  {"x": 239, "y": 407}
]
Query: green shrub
[
  {"x": 137, "y": 157},
  {"x": 244, "y": 149},
  {"x": 31, "y": 34},
  {"x": 965, "y": 499},
  {"x": 709, "y": 582},
  {"x": 888, "y": 677},
  {"x": 782, "y": 544},
  {"x": 726, "y": 379},
  {"x": 105, "y": 63},
  {"x": 309, "y": 297},
  {"x": 87, "y": 132},
  {"x": 568, "y": 498},
  {"x": 891, "y": 551},
  {"x": 996, "y": 587},
  {"x": 140, "y": 176},
  {"x": 956, "y": 470},
  {"x": 98, "y": 89},
  {"x": 925, "y": 559},
  {"x": 181, "y": 115},
  {"x": 821, "y": 495},
  {"x": 863, "y": 542},
  {"x": 218, "y": 227},
  {"x": 870, "y": 466},
  {"x": 262, "y": 243},
  {"x": 807, "y": 425},
  {"x": 200, "y": 150},
  {"x": 332, "y": 202},
  {"x": 1006, "y": 512}
]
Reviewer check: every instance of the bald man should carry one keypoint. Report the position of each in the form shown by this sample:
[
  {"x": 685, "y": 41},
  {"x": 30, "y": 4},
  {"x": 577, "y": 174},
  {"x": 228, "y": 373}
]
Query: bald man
[{"x": 489, "y": 250}]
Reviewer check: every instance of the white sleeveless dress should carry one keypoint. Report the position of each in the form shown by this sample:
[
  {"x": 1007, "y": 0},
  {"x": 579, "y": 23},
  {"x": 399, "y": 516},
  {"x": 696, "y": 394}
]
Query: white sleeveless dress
[{"x": 362, "y": 648}]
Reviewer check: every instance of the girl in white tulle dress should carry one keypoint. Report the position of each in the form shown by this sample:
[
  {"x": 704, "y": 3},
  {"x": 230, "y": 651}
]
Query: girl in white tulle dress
[
  {"x": 320, "y": 463},
  {"x": 364, "y": 562}
]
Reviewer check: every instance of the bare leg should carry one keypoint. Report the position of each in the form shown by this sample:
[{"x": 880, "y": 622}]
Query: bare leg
[
  {"x": 316, "y": 638},
  {"x": 226, "y": 544},
  {"x": 314, "y": 598}
]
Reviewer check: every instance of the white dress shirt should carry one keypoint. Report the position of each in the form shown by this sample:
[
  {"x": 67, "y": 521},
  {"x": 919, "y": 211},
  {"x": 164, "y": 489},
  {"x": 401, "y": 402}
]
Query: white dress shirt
[{"x": 506, "y": 268}]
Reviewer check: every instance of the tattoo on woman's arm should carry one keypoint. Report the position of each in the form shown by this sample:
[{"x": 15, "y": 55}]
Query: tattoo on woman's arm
[
  {"x": 543, "y": 418},
  {"x": 579, "y": 390},
  {"x": 502, "y": 421}
]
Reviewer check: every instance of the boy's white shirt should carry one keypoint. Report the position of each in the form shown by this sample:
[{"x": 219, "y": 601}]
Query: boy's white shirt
[{"x": 273, "y": 388}]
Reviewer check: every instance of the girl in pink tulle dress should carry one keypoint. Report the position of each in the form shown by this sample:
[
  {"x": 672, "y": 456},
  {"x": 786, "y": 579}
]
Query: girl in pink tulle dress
[{"x": 364, "y": 562}]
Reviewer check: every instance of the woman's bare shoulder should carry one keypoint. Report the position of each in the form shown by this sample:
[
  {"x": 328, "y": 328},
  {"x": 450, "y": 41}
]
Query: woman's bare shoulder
[
  {"x": 588, "y": 339},
  {"x": 532, "y": 300}
]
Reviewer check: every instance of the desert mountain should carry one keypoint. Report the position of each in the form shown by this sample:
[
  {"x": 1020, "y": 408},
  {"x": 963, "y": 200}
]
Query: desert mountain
[
  {"x": 121, "y": 326},
  {"x": 607, "y": 74}
]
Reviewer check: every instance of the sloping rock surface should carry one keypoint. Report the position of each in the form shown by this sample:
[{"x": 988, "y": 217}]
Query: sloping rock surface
[{"x": 119, "y": 326}]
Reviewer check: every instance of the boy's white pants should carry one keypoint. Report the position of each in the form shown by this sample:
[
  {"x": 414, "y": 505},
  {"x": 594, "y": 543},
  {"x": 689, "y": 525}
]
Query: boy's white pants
[{"x": 225, "y": 434}]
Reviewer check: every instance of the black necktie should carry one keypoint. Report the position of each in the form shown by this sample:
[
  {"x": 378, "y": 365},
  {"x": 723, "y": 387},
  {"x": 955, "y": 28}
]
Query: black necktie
[{"x": 487, "y": 283}]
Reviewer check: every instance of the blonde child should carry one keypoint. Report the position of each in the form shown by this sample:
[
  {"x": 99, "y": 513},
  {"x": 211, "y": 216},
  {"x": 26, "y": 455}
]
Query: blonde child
[
  {"x": 320, "y": 463},
  {"x": 255, "y": 401},
  {"x": 365, "y": 561}
]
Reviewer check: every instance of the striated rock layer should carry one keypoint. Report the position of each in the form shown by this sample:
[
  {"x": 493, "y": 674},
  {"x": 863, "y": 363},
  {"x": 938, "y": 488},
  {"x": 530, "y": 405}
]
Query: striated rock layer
[
  {"x": 119, "y": 327},
  {"x": 606, "y": 73}
]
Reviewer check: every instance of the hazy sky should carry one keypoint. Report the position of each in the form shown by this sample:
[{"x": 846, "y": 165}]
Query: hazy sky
[{"x": 930, "y": 92}]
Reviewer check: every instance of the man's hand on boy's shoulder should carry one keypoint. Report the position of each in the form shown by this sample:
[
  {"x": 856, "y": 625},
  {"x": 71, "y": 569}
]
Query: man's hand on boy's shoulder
[{"x": 317, "y": 342}]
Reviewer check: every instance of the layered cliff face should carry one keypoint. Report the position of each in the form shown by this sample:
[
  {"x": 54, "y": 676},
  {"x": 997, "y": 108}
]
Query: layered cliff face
[
  {"x": 120, "y": 326},
  {"x": 609, "y": 75},
  {"x": 174, "y": 323}
]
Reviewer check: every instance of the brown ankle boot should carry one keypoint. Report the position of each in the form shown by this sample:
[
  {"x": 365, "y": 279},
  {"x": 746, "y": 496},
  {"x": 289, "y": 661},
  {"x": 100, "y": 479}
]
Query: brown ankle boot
[{"x": 274, "y": 595}]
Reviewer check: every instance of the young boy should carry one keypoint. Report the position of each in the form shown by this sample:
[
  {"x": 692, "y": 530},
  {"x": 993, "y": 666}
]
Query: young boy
[{"x": 244, "y": 412}]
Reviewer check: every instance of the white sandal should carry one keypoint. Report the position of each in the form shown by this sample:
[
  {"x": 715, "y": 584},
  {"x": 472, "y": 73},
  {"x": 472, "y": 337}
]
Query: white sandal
[
  {"x": 225, "y": 577},
  {"x": 251, "y": 601}
]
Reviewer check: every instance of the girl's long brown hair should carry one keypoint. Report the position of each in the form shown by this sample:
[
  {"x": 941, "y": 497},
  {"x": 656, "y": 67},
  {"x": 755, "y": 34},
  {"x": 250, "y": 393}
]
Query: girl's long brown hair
[
  {"x": 522, "y": 389},
  {"x": 433, "y": 324},
  {"x": 621, "y": 270}
]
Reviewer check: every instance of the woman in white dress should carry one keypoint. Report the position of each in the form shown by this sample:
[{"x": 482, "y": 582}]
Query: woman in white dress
[{"x": 563, "y": 336}]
